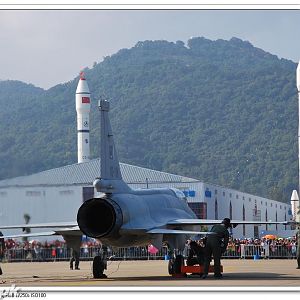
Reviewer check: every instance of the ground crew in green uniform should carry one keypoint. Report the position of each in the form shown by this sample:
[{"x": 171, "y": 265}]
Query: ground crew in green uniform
[
  {"x": 74, "y": 257},
  {"x": 216, "y": 245}
]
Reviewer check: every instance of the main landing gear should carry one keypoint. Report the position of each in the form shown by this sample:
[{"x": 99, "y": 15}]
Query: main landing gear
[{"x": 100, "y": 264}]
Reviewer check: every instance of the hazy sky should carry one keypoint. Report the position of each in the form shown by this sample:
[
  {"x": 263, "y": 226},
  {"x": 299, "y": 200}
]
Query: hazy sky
[{"x": 48, "y": 47}]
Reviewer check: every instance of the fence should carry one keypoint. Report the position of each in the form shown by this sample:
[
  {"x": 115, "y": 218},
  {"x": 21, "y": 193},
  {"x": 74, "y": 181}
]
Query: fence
[
  {"x": 267, "y": 251},
  {"x": 141, "y": 253}
]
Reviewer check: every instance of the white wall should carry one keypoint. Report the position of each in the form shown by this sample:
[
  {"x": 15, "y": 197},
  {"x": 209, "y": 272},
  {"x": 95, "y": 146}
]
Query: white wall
[
  {"x": 238, "y": 199},
  {"x": 43, "y": 204}
]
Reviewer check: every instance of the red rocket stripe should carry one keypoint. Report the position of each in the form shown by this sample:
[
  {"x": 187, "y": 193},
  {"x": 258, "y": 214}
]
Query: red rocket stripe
[{"x": 85, "y": 99}]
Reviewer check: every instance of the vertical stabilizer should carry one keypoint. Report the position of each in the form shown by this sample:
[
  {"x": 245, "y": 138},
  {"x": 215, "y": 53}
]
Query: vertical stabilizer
[
  {"x": 111, "y": 179},
  {"x": 110, "y": 168}
]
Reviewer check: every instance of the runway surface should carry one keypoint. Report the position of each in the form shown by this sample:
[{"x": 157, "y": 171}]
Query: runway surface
[{"x": 153, "y": 273}]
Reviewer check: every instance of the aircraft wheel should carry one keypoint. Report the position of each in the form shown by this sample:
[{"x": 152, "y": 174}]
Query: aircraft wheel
[
  {"x": 98, "y": 267},
  {"x": 171, "y": 266}
]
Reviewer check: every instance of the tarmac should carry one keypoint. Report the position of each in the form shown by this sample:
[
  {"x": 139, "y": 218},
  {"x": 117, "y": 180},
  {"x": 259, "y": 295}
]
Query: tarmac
[{"x": 274, "y": 274}]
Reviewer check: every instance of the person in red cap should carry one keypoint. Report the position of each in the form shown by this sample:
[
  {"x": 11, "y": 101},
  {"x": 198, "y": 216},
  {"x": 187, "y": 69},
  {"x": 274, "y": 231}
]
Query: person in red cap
[{"x": 216, "y": 245}]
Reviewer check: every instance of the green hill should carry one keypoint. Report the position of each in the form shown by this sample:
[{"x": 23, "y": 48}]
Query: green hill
[{"x": 221, "y": 111}]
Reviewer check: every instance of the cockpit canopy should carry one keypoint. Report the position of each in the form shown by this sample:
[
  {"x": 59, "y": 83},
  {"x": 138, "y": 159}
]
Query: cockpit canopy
[{"x": 179, "y": 194}]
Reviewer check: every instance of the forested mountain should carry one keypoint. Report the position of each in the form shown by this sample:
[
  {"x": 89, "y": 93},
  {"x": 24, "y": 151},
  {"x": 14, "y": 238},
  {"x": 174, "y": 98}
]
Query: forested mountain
[{"x": 221, "y": 111}]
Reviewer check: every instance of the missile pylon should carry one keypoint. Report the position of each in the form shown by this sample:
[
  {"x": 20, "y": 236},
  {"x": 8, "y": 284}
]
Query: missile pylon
[{"x": 83, "y": 107}]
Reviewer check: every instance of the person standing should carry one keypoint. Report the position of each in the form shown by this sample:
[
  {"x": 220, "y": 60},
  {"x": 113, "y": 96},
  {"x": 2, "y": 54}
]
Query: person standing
[
  {"x": 298, "y": 248},
  {"x": 2, "y": 249},
  {"x": 74, "y": 244},
  {"x": 216, "y": 245},
  {"x": 74, "y": 258}
]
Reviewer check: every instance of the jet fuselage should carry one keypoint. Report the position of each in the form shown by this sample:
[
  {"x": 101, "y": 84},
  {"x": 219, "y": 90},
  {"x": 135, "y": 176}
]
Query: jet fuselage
[{"x": 122, "y": 220}]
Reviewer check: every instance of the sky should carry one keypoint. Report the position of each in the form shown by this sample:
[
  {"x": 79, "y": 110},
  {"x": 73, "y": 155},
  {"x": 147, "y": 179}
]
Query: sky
[{"x": 49, "y": 47}]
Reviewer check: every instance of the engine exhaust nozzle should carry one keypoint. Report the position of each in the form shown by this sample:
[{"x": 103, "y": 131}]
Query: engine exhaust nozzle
[{"x": 98, "y": 217}]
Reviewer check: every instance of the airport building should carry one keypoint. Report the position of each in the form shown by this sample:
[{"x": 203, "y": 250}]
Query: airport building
[{"x": 56, "y": 194}]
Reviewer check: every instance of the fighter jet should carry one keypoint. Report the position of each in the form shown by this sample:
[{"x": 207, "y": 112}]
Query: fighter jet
[{"x": 123, "y": 217}]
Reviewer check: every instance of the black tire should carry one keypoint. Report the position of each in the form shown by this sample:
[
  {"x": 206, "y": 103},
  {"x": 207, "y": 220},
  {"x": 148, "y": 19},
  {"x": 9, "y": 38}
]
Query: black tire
[
  {"x": 98, "y": 267},
  {"x": 171, "y": 266},
  {"x": 179, "y": 261}
]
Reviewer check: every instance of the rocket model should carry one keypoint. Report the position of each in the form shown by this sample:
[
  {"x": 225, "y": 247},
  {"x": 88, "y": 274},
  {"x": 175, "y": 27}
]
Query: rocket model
[
  {"x": 295, "y": 206},
  {"x": 83, "y": 106}
]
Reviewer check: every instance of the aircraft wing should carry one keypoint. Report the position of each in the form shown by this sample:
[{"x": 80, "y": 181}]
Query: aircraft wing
[
  {"x": 60, "y": 228},
  {"x": 14, "y": 236},
  {"x": 213, "y": 222},
  {"x": 41, "y": 225},
  {"x": 176, "y": 231}
]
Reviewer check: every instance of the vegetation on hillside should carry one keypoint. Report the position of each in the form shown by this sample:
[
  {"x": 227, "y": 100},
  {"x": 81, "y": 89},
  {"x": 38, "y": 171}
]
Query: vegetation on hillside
[{"x": 221, "y": 111}]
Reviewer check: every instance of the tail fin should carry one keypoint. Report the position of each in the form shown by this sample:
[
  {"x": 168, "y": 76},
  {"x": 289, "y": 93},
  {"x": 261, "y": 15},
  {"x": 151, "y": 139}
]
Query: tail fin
[
  {"x": 111, "y": 178},
  {"x": 110, "y": 168}
]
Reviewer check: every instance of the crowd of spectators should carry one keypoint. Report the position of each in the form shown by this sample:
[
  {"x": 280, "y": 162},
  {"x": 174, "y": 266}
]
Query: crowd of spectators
[
  {"x": 289, "y": 243},
  {"x": 40, "y": 251},
  {"x": 57, "y": 249},
  {"x": 15, "y": 244},
  {"x": 269, "y": 247}
]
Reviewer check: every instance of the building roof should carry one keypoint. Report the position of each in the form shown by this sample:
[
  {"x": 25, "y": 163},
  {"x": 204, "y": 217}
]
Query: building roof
[{"x": 85, "y": 174}]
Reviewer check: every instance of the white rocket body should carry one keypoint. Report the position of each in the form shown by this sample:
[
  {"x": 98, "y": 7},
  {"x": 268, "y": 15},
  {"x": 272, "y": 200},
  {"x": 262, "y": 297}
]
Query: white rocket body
[
  {"x": 295, "y": 206},
  {"x": 83, "y": 107}
]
